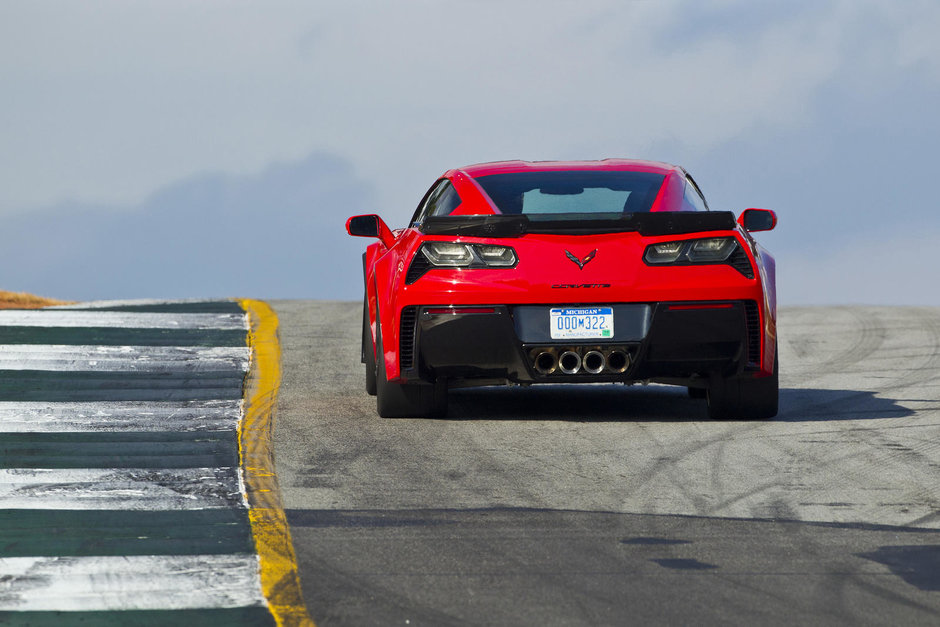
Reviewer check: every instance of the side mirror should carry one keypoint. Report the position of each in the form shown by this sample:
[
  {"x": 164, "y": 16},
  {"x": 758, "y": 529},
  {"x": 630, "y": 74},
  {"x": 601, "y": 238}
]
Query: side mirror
[
  {"x": 757, "y": 220},
  {"x": 370, "y": 226},
  {"x": 363, "y": 226}
]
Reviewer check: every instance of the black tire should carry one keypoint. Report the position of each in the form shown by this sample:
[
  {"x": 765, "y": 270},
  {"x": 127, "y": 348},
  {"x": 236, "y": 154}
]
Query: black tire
[
  {"x": 368, "y": 349},
  {"x": 742, "y": 398},
  {"x": 400, "y": 400}
]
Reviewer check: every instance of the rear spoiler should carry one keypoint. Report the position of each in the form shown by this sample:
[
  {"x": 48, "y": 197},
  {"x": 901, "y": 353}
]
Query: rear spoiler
[{"x": 646, "y": 224}]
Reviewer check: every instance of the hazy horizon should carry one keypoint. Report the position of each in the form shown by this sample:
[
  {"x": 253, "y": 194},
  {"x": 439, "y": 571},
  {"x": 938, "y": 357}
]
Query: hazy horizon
[{"x": 181, "y": 150}]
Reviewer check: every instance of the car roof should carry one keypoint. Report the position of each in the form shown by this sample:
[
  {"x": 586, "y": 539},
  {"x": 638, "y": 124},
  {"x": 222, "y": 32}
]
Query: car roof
[{"x": 635, "y": 165}]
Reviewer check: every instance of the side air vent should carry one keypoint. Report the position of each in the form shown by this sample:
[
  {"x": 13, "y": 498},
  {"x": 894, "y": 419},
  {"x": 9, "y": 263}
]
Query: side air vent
[
  {"x": 753, "y": 331},
  {"x": 406, "y": 338},
  {"x": 419, "y": 265},
  {"x": 741, "y": 263}
]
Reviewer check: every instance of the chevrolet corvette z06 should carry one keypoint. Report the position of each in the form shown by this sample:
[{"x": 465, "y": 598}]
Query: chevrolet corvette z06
[{"x": 569, "y": 272}]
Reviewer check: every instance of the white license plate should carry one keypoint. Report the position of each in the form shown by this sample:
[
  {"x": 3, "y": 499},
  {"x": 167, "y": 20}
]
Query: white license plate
[{"x": 582, "y": 323}]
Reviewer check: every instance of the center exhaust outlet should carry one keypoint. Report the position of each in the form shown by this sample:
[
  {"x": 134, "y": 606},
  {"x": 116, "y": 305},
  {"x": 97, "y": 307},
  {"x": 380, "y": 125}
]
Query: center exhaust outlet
[
  {"x": 593, "y": 362},
  {"x": 569, "y": 362}
]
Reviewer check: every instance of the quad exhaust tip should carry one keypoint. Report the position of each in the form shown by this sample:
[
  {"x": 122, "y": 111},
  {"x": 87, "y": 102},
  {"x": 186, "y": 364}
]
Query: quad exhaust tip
[
  {"x": 569, "y": 362},
  {"x": 546, "y": 362},
  {"x": 618, "y": 361},
  {"x": 593, "y": 362}
]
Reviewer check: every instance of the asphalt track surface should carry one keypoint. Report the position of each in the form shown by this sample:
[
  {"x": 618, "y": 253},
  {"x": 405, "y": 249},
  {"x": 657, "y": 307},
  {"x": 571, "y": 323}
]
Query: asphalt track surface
[{"x": 621, "y": 505}]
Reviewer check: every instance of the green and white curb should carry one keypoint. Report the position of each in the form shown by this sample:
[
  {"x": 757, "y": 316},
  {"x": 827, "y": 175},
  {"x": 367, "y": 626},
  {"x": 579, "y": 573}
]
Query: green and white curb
[{"x": 123, "y": 500}]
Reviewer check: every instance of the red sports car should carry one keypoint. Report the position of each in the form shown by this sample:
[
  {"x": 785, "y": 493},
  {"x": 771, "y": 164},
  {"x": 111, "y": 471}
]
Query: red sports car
[{"x": 569, "y": 272}]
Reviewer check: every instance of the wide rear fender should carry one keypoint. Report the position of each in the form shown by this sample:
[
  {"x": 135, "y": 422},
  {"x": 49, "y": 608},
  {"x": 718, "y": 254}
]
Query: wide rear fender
[{"x": 389, "y": 269}]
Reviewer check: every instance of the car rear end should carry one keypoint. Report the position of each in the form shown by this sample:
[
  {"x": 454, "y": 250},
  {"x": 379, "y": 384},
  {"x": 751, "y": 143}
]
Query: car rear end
[
  {"x": 629, "y": 313},
  {"x": 585, "y": 272}
]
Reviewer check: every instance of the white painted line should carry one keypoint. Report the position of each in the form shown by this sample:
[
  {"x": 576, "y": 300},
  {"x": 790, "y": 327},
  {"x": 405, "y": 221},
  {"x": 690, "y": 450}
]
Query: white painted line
[
  {"x": 63, "y": 358},
  {"x": 130, "y": 489},
  {"x": 137, "y": 302},
  {"x": 49, "y": 417},
  {"x": 120, "y": 319},
  {"x": 109, "y": 583},
  {"x": 143, "y": 582}
]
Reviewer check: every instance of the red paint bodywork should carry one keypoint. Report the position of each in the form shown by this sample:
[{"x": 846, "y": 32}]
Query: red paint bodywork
[{"x": 542, "y": 264}]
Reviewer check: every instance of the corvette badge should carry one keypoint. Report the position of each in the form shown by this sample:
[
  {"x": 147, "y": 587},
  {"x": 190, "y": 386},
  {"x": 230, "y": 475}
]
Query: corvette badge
[{"x": 581, "y": 262}]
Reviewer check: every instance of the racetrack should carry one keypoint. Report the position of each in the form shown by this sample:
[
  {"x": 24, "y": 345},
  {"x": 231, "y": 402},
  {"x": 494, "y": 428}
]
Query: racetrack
[{"x": 609, "y": 504}]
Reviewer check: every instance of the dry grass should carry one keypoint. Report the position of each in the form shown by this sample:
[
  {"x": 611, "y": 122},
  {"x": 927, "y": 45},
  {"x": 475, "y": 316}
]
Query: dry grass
[{"x": 22, "y": 300}]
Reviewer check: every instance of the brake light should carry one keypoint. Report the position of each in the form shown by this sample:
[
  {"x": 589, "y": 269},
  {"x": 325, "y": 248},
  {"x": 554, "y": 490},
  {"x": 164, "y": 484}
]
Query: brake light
[{"x": 707, "y": 250}]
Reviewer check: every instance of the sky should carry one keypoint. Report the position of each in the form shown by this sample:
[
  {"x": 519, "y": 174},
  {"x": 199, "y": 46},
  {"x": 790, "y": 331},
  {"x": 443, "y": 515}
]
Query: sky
[{"x": 202, "y": 149}]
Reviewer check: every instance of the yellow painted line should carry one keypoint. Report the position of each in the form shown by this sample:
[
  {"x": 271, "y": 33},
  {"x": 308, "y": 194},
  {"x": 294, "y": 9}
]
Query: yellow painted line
[{"x": 280, "y": 581}]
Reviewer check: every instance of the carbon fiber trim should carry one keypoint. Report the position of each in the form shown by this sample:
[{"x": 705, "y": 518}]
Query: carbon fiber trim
[
  {"x": 740, "y": 262},
  {"x": 419, "y": 266}
]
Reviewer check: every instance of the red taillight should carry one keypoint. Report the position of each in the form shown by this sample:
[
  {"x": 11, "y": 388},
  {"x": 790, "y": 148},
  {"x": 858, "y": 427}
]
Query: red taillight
[{"x": 444, "y": 311}]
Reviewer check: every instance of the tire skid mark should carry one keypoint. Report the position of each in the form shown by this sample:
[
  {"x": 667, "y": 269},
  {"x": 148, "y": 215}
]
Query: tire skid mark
[
  {"x": 873, "y": 330},
  {"x": 866, "y": 336},
  {"x": 665, "y": 463},
  {"x": 903, "y": 452},
  {"x": 670, "y": 465},
  {"x": 929, "y": 370},
  {"x": 839, "y": 473}
]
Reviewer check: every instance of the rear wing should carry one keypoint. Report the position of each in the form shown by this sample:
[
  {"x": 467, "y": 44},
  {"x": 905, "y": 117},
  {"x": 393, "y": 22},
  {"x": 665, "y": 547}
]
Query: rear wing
[{"x": 646, "y": 224}]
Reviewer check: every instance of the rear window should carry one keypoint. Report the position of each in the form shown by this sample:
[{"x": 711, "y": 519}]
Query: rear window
[{"x": 572, "y": 194}]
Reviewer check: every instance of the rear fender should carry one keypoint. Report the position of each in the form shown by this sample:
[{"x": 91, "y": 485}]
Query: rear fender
[
  {"x": 369, "y": 258},
  {"x": 389, "y": 270},
  {"x": 767, "y": 267},
  {"x": 767, "y": 275}
]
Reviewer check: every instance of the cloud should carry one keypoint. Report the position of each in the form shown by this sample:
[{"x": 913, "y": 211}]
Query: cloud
[
  {"x": 277, "y": 234},
  {"x": 280, "y": 234},
  {"x": 823, "y": 111},
  {"x": 895, "y": 268},
  {"x": 110, "y": 103}
]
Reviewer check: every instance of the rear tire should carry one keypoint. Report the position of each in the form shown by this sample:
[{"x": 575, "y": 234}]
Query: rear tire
[
  {"x": 741, "y": 398},
  {"x": 368, "y": 349},
  {"x": 399, "y": 400}
]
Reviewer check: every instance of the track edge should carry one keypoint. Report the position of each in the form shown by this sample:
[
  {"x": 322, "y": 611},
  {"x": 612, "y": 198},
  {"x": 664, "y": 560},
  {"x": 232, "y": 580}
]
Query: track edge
[{"x": 280, "y": 580}]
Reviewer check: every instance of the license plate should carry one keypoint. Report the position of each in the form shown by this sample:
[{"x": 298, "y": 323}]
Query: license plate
[{"x": 582, "y": 323}]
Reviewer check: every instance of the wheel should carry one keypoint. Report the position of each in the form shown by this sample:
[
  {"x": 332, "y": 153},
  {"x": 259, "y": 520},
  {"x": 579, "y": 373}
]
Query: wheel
[
  {"x": 743, "y": 398},
  {"x": 368, "y": 349},
  {"x": 397, "y": 400}
]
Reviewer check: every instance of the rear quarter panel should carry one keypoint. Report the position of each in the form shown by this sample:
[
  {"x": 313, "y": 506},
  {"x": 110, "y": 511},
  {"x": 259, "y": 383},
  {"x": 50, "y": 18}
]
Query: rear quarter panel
[{"x": 767, "y": 266}]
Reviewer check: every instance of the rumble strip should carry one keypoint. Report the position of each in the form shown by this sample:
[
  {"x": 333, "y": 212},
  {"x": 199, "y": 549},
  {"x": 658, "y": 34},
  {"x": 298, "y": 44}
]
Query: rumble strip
[{"x": 137, "y": 480}]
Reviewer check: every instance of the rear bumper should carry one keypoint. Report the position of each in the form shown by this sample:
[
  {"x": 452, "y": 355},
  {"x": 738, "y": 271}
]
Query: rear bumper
[{"x": 676, "y": 341}]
